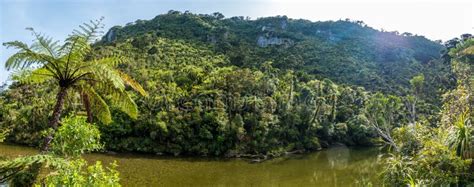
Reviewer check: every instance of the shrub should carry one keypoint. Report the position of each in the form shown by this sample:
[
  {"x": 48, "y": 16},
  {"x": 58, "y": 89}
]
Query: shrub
[
  {"x": 75, "y": 137},
  {"x": 77, "y": 173}
]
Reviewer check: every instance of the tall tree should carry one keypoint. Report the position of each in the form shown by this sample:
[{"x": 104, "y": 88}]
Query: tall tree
[
  {"x": 412, "y": 100},
  {"x": 73, "y": 68},
  {"x": 383, "y": 114}
]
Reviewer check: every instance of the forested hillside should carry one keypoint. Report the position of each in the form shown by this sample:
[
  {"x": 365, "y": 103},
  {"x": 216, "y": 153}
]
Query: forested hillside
[
  {"x": 235, "y": 86},
  {"x": 345, "y": 51}
]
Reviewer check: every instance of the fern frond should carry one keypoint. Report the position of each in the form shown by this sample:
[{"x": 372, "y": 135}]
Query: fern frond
[
  {"x": 75, "y": 49},
  {"x": 105, "y": 73},
  {"x": 79, "y": 68},
  {"x": 90, "y": 30},
  {"x": 26, "y": 57},
  {"x": 9, "y": 168},
  {"x": 125, "y": 103},
  {"x": 116, "y": 60},
  {"x": 120, "y": 99},
  {"x": 44, "y": 44},
  {"x": 99, "y": 107},
  {"x": 112, "y": 60},
  {"x": 36, "y": 76},
  {"x": 17, "y": 45},
  {"x": 132, "y": 83},
  {"x": 21, "y": 60}
]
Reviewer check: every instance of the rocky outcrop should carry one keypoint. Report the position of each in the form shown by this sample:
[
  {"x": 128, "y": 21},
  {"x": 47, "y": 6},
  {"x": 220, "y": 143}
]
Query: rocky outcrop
[
  {"x": 283, "y": 24},
  {"x": 263, "y": 41},
  {"x": 111, "y": 35}
]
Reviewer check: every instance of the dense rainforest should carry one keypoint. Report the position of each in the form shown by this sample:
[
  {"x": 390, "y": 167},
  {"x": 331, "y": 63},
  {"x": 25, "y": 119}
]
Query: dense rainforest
[
  {"x": 231, "y": 86},
  {"x": 192, "y": 84}
]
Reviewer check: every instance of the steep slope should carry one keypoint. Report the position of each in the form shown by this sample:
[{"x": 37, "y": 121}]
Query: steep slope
[{"x": 347, "y": 52}]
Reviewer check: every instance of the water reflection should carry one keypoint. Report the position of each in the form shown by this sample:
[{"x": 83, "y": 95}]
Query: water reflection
[
  {"x": 339, "y": 166},
  {"x": 338, "y": 157}
]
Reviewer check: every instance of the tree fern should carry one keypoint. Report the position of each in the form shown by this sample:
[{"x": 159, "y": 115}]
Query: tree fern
[{"x": 73, "y": 67}]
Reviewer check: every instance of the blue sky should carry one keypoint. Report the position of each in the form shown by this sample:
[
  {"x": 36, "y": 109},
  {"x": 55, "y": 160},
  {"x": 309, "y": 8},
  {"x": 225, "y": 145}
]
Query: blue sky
[{"x": 436, "y": 19}]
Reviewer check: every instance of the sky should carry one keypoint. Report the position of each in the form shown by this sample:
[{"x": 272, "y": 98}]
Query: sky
[{"x": 435, "y": 19}]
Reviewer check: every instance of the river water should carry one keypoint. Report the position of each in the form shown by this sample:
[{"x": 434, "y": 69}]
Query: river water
[{"x": 338, "y": 166}]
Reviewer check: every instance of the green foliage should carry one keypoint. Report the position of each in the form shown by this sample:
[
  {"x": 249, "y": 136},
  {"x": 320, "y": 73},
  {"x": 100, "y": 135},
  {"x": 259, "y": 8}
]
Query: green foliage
[
  {"x": 344, "y": 51},
  {"x": 442, "y": 155},
  {"x": 410, "y": 138},
  {"x": 457, "y": 112},
  {"x": 24, "y": 170},
  {"x": 3, "y": 134},
  {"x": 78, "y": 173},
  {"x": 460, "y": 137},
  {"x": 218, "y": 86},
  {"x": 417, "y": 83},
  {"x": 430, "y": 162},
  {"x": 200, "y": 104},
  {"x": 398, "y": 170},
  {"x": 385, "y": 113},
  {"x": 25, "y": 110},
  {"x": 73, "y": 66},
  {"x": 235, "y": 86},
  {"x": 76, "y": 137},
  {"x": 29, "y": 171},
  {"x": 63, "y": 165}
]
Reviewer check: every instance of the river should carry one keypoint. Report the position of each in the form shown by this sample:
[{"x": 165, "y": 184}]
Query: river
[{"x": 338, "y": 166}]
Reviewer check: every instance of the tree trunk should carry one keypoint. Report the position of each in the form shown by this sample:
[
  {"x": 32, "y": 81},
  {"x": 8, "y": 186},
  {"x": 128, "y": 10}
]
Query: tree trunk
[
  {"x": 290, "y": 96},
  {"x": 333, "y": 109},
  {"x": 87, "y": 106},
  {"x": 316, "y": 113},
  {"x": 53, "y": 123}
]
